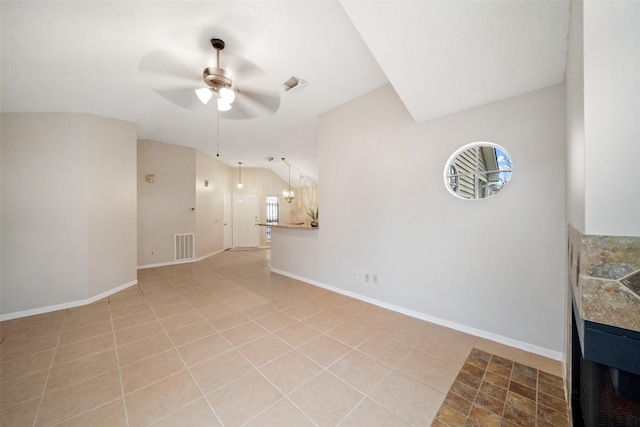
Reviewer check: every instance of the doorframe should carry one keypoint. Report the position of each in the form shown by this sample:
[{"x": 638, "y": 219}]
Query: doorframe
[
  {"x": 227, "y": 221},
  {"x": 257, "y": 215}
]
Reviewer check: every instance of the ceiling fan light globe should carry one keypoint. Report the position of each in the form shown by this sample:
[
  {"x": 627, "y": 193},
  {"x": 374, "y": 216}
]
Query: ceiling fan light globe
[
  {"x": 222, "y": 106},
  {"x": 204, "y": 94},
  {"x": 226, "y": 95}
]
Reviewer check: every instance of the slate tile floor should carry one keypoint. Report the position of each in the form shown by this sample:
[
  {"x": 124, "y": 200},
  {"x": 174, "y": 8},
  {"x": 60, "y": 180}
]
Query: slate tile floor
[
  {"x": 226, "y": 342},
  {"x": 494, "y": 391}
]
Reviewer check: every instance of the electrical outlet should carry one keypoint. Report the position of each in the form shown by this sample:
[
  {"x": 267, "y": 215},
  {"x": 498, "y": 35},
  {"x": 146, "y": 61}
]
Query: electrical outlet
[
  {"x": 366, "y": 277},
  {"x": 375, "y": 279},
  {"x": 153, "y": 252},
  {"x": 355, "y": 275}
]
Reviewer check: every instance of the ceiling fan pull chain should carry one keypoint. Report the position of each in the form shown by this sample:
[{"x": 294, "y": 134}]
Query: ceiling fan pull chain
[{"x": 217, "y": 133}]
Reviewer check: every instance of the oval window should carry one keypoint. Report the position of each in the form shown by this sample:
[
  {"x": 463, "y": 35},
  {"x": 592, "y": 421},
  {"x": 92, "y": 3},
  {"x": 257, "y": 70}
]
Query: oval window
[{"x": 477, "y": 170}]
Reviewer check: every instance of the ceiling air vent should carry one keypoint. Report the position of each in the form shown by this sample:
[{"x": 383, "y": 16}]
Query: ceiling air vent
[{"x": 294, "y": 84}]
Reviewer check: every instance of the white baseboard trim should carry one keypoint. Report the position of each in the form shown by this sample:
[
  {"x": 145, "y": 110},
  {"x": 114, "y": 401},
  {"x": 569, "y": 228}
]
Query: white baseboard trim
[
  {"x": 64, "y": 306},
  {"x": 164, "y": 264},
  {"x": 209, "y": 255},
  {"x": 552, "y": 354}
]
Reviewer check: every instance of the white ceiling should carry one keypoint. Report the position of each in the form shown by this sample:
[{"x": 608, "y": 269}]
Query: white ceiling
[{"x": 137, "y": 60}]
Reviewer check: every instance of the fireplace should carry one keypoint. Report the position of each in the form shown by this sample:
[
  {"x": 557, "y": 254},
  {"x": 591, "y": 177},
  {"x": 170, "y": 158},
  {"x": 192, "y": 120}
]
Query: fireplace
[{"x": 605, "y": 375}]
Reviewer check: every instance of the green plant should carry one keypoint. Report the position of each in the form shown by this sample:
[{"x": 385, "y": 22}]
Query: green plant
[{"x": 313, "y": 214}]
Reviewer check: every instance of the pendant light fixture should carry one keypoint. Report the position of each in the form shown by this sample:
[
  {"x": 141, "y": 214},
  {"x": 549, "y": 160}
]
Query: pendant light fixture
[
  {"x": 288, "y": 194},
  {"x": 239, "y": 174}
]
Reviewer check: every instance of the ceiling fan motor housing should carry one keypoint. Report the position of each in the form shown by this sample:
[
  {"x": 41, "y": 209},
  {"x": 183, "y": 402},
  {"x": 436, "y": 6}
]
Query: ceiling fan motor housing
[
  {"x": 216, "y": 78},
  {"x": 218, "y": 44}
]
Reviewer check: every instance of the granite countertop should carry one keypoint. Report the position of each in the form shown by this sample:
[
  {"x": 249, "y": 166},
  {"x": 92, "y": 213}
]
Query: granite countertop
[
  {"x": 609, "y": 302},
  {"x": 299, "y": 226},
  {"x": 600, "y": 266}
]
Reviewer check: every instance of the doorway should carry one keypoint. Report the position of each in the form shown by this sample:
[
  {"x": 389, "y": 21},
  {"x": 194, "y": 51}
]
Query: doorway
[
  {"x": 245, "y": 221},
  {"x": 227, "y": 222}
]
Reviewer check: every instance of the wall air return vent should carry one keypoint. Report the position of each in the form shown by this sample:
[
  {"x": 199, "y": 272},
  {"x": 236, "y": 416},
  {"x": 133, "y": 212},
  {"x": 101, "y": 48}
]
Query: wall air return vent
[
  {"x": 184, "y": 246},
  {"x": 294, "y": 84}
]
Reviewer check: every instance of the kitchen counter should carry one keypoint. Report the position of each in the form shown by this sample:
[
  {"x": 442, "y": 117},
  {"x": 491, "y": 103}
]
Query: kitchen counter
[{"x": 302, "y": 226}]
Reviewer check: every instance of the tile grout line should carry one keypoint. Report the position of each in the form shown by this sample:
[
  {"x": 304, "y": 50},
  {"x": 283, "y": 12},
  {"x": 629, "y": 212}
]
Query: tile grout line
[
  {"x": 257, "y": 369},
  {"x": 46, "y": 382},
  {"x": 286, "y": 395},
  {"x": 187, "y": 367},
  {"x": 115, "y": 347},
  {"x": 233, "y": 347},
  {"x": 50, "y": 368},
  {"x": 324, "y": 369},
  {"x": 398, "y": 371},
  {"x": 391, "y": 368}
]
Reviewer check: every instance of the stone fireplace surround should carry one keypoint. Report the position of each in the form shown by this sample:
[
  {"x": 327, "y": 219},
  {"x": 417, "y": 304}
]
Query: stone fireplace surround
[{"x": 604, "y": 382}]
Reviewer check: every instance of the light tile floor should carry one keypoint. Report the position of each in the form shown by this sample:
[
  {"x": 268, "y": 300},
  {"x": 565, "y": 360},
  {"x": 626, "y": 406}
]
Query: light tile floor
[{"x": 226, "y": 342}]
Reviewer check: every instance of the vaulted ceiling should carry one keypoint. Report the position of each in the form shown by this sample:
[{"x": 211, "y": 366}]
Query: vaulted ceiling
[{"x": 140, "y": 61}]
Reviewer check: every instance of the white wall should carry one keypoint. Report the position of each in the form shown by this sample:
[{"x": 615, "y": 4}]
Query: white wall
[
  {"x": 210, "y": 203},
  {"x": 612, "y": 112},
  {"x": 574, "y": 83},
  {"x": 57, "y": 207},
  {"x": 494, "y": 266},
  {"x": 164, "y": 207},
  {"x": 111, "y": 203}
]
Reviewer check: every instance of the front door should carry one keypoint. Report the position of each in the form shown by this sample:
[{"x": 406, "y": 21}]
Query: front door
[
  {"x": 227, "y": 222},
  {"x": 245, "y": 221}
]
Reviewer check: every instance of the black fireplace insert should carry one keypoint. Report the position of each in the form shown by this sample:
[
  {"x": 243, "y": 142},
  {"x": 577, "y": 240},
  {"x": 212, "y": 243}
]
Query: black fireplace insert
[{"x": 605, "y": 375}]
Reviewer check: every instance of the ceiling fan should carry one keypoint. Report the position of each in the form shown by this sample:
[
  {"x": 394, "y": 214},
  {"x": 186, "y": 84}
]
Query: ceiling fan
[
  {"x": 218, "y": 82},
  {"x": 235, "y": 86}
]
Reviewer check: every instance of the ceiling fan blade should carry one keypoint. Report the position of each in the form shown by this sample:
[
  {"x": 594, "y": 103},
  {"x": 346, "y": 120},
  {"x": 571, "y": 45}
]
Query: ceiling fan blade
[
  {"x": 259, "y": 102},
  {"x": 241, "y": 69},
  {"x": 238, "y": 111},
  {"x": 268, "y": 101},
  {"x": 250, "y": 104},
  {"x": 161, "y": 63},
  {"x": 185, "y": 98}
]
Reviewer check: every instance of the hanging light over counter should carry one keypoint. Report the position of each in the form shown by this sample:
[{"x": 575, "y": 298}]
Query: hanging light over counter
[
  {"x": 239, "y": 174},
  {"x": 289, "y": 195}
]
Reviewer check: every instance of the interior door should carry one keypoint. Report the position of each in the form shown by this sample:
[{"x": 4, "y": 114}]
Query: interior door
[
  {"x": 227, "y": 222},
  {"x": 245, "y": 221}
]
